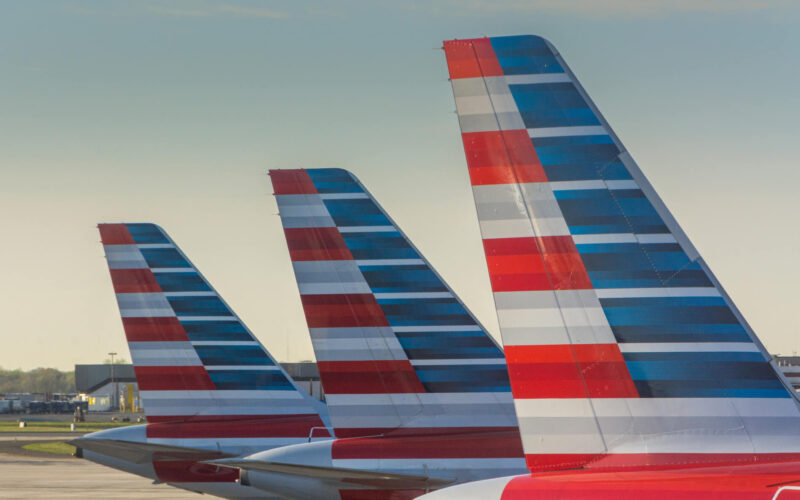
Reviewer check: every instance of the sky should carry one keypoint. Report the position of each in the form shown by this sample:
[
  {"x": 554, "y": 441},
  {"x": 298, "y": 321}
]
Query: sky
[{"x": 173, "y": 111}]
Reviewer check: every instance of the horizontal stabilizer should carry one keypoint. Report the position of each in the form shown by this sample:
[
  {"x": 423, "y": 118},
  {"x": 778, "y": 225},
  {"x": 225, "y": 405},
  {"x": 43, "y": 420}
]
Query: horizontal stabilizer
[
  {"x": 140, "y": 453},
  {"x": 371, "y": 479}
]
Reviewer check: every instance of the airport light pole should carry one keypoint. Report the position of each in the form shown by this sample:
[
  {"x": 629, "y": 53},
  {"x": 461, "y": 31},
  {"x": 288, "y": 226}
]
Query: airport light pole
[{"x": 113, "y": 386}]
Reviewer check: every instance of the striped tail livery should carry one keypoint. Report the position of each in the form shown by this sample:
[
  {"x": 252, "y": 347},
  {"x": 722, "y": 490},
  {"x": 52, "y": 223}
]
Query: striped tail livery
[
  {"x": 414, "y": 384},
  {"x": 205, "y": 381},
  {"x": 627, "y": 360}
]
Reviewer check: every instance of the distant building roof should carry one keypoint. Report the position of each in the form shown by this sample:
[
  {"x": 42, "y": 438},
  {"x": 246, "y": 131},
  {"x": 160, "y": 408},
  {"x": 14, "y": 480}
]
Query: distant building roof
[{"x": 89, "y": 378}]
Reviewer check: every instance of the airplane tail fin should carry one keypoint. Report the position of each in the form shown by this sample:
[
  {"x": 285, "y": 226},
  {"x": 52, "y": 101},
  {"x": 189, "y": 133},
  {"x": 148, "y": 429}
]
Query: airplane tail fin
[
  {"x": 194, "y": 359},
  {"x": 622, "y": 348},
  {"x": 395, "y": 346}
]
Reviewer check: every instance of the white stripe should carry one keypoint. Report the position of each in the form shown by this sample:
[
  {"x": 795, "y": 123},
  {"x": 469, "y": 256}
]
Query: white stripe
[
  {"x": 190, "y": 294},
  {"x": 367, "y": 229},
  {"x": 566, "y": 131},
  {"x": 583, "y": 239},
  {"x": 657, "y": 407},
  {"x": 534, "y": 79},
  {"x": 656, "y": 238},
  {"x": 540, "y": 317},
  {"x": 624, "y": 293},
  {"x": 308, "y": 210},
  {"x": 343, "y": 196},
  {"x": 455, "y": 362},
  {"x": 390, "y": 262},
  {"x": 225, "y": 342},
  {"x": 243, "y": 368},
  {"x": 622, "y": 185},
  {"x": 689, "y": 347},
  {"x": 156, "y": 245},
  {"x": 485, "y": 104},
  {"x": 484, "y": 489},
  {"x": 448, "y": 328},
  {"x": 414, "y": 295},
  {"x": 358, "y": 349},
  {"x": 586, "y": 185},
  {"x": 164, "y": 357},
  {"x": 587, "y": 239},
  {"x": 208, "y": 318},
  {"x": 576, "y": 185},
  {"x": 157, "y": 270}
]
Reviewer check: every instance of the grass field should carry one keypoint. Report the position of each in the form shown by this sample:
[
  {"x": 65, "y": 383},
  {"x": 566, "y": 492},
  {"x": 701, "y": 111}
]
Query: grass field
[
  {"x": 60, "y": 426},
  {"x": 54, "y": 447}
]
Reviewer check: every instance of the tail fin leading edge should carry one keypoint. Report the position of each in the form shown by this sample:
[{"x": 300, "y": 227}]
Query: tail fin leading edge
[{"x": 622, "y": 348}]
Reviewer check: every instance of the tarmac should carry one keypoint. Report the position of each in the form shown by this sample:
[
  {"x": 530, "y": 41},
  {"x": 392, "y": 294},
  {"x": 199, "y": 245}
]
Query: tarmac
[{"x": 27, "y": 476}]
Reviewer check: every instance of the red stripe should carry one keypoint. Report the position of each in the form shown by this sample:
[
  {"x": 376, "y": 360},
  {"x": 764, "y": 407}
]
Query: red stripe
[
  {"x": 154, "y": 329},
  {"x": 115, "y": 234},
  {"x": 173, "y": 378},
  {"x": 732, "y": 482},
  {"x": 134, "y": 281},
  {"x": 344, "y": 310},
  {"x": 506, "y": 157},
  {"x": 241, "y": 426},
  {"x": 569, "y": 371},
  {"x": 502, "y": 442},
  {"x": 471, "y": 58},
  {"x": 184, "y": 471},
  {"x": 316, "y": 243},
  {"x": 369, "y": 377},
  {"x": 535, "y": 263},
  {"x": 291, "y": 182},
  {"x": 650, "y": 461}
]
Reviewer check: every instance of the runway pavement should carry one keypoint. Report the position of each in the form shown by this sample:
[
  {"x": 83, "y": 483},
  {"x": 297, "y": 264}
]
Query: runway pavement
[{"x": 26, "y": 477}]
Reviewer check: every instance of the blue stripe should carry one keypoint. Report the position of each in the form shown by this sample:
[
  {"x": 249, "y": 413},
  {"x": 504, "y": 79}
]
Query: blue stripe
[
  {"x": 448, "y": 345},
  {"x": 233, "y": 355},
  {"x": 146, "y": 234},
  {"x": 215, "y": 330},
  {"x": 663, "y": 301},
  {"x": 250, "y": 380},
  {"x": 547, "y": 97},
  {"x": 181, "y": 282},
  {"x": 696, "y": 357},
  {"x": 378, "y": 246},
  {"x": 386, "y": 279},
  {"x": 333, "y": 180},
  {"x": 199, "y": 306},
  {"x": 362, "y": 212},
  {"x": 464, "y": 378},
  {"x": 559, "y": 118},
  {"x": 681, "y": 333},
  {"x": 420, "y": 312},
  {"x": 519, "y": 42},
  {"x": 163, "y": 257},
  {"x": 710, "y": 389}
]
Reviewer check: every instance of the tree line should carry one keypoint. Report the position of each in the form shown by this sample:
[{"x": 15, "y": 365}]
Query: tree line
[{"x": 37, "y": 380}]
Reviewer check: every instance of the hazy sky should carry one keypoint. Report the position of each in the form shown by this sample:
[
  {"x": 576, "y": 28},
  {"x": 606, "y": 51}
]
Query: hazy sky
[{"x": 172, "y": 112}]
